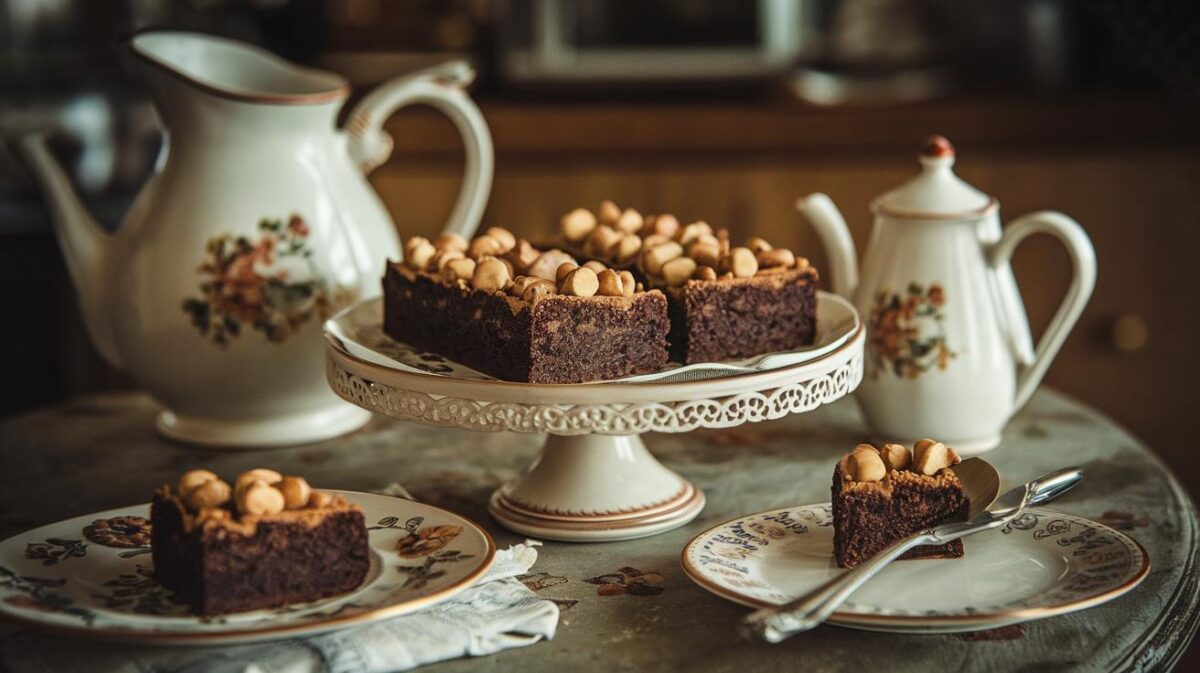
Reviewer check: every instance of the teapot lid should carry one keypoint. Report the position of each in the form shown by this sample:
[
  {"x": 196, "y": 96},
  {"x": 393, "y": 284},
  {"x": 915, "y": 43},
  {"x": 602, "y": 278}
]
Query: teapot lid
[{"x": 936, "y": 193}]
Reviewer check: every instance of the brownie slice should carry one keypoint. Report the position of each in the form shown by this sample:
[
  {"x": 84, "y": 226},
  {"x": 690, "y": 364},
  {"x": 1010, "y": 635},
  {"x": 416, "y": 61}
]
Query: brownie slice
[
  {"x": 220, "y": 565},
  {"x": 554, "y": 339},
  {"x": 768, "y": 303},
  {"x": 870, "y": 515},
  {"x": 714, "y": 320}
]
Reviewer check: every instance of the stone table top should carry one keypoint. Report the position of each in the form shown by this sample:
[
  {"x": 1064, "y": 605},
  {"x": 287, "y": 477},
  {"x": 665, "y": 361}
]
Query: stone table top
[{"x": 101, "y": 452}]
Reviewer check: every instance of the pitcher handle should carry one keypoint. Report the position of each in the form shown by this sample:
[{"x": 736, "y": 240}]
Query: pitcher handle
[
  {"x": 1083, "y": 280},
  {"x": 442, "y": 87}
]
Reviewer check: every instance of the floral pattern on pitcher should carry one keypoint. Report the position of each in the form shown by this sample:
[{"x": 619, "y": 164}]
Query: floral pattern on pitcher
[
  {"x": 906, "y": 332},
  {"x": 270, "y": 285}
]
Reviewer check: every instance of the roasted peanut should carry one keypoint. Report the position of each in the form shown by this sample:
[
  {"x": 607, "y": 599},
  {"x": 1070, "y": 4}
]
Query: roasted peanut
[{"x": 581, "y": 282}]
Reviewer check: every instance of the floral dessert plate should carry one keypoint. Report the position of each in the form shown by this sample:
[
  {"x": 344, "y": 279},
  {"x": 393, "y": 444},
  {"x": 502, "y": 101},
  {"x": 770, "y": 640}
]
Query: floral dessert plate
[
  {"x": 358, "y": 332},
  {"x": 92, "y": 576},
  {"x": 1040, "y": 565}
]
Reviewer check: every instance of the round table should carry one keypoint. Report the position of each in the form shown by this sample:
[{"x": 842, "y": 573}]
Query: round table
[{"x": 100, "y": 452}]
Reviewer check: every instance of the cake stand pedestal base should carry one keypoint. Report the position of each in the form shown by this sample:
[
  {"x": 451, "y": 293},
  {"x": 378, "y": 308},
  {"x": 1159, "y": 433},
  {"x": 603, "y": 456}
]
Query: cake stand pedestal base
[{"x": 593, "y": 488}]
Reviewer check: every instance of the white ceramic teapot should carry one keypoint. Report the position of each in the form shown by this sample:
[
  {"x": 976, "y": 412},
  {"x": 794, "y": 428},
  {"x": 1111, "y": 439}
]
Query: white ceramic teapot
[
  {"x": 257, "y": 224},
  {"x": 949, "y": 351}
]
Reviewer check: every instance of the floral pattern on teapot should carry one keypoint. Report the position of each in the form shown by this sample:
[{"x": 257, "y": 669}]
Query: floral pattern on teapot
[
  {"x": 907, "y": 336},
  {"x": 270, "y": 285}
]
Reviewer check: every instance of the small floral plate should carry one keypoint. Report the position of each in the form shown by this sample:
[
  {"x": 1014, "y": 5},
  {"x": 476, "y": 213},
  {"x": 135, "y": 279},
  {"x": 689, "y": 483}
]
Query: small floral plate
[
  {"x": 1040, "y": 565},
  {"x": 92, "y": 576},
  {"x": 358, "y": 331}
]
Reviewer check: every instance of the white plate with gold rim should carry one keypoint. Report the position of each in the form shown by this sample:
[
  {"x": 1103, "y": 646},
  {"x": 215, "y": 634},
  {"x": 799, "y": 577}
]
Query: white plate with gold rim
[
  {"x": 358, "y": 331},
  {"x": 1041, "y": 565},
  {"x": 76, "y": 578}
]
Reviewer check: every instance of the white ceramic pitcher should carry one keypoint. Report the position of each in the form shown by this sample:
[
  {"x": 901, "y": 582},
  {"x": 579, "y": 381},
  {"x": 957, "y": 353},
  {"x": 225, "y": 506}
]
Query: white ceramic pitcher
[
  {"x": 257, "y": 224},
  {"x": 949, "y": 351}
]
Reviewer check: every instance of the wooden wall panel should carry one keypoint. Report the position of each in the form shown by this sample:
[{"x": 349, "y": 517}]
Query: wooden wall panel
[{"x": 1141, "y": 208}]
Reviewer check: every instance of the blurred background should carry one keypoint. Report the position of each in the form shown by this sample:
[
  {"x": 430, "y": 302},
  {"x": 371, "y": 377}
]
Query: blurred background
[{"x": 726, "y": 111}]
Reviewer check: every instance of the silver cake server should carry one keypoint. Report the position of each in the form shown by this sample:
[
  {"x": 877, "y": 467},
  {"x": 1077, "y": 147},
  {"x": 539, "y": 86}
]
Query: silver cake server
[{"x": 776, "y": 623}]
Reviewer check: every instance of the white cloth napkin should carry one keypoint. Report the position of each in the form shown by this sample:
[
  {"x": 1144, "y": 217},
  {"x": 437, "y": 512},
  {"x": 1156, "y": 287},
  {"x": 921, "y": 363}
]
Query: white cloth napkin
[{"x": 497, "y": 613}]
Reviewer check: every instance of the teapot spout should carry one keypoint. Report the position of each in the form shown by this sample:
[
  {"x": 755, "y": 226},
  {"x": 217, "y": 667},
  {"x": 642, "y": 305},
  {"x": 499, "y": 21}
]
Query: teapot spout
[
  {"x": 839, "y": 245},
  {"x": 84, "y": 244}
]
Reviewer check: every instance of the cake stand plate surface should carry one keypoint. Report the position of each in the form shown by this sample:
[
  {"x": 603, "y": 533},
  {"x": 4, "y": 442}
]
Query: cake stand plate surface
[
  {"x": 92, "y": 577},
  {"x": 594, "y": 479}
]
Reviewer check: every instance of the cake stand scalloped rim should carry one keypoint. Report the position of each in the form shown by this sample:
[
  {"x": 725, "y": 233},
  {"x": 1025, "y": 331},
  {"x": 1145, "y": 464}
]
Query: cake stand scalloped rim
[{"x": 595, "y": 480}]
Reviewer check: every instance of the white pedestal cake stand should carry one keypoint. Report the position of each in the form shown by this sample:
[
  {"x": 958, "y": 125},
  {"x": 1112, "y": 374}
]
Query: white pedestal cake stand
[{"x": 594, "y": 479}]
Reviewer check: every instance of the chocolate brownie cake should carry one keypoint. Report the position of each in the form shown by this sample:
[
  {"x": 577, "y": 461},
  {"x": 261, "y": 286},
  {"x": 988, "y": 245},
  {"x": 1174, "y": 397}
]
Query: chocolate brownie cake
[
  {"x": 268, "y": 541},
  {"x": 725, "y": 301},
  {"x": 882, "y": 495},
  {"x": 500, "y": 306}
]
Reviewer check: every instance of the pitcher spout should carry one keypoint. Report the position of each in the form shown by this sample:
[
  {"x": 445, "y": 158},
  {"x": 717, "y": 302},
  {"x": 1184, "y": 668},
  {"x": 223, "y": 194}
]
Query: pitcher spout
[
  {"x": 839, "y": 245},
  {"x": 84, "y": 244}
]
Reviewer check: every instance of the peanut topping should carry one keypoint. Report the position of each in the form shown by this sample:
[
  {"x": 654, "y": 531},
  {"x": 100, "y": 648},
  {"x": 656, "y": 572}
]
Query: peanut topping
[
  {"x": 581, "y": 282},
  {"x": 577, "y": 224},
  {"x": 451, "y": 241},
  {"x": 802, "y": 264},
  {"x": 484, "y": 246},
  {"x": 628, "y": 284},
  {"x": 627, "y": 248},
  {"x": 740, "y": 262},
  {"x": 520, "y": 283},
  {"x": 548, "y": 263},
  {"x": 418, "y": 255},
  {"x": 610, "y": 284},
  {"x": 678, "y": 271},
  {"x": 929, "y": 457},
  {"x": 194, "y": 478},
  {"x": 895, "y": 456},
  {"x": 320, "y": 499},
  {"x": 705, "y": 273},
  {"x": 523, "y": 255},
  {"x": 257, "y": 474},
  {"x": 595, "y": 266},
  {"x": 442, "y": 257},
  {"x": 538, "y": 289},
  {"x": 705, "y": 253},
  {"x": 693, "y": 231},
  {"x": 459, "y": 269},
  {"x": 776, "y": 257},
  {"x": 491, "y": 274},
  {"x": 563, "y": 269},
  {"x": 212, "y": 493},
  {"x": 757, "y": 245},
  {"x": 864, "y": 464},
  {"x": 630, "y": 221},
  {"x": 609, "y": 212},
  {"x": 260, "y": 499},
  {"x": 296, "y": 492},
  {"x": 602, "y": 239},
  {"x": 663, "y": 225},
  {"x": 505, "y": 237},
  {"x": 654, "y": 240},
  {"x": 212, "y": 514},
  {"x": 653, "y": 259}
]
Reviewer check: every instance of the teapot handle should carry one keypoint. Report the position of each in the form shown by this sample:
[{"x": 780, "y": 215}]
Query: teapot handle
[
  {"x": 1083, "y": 280},
  {"x": 444, "y": 88}
]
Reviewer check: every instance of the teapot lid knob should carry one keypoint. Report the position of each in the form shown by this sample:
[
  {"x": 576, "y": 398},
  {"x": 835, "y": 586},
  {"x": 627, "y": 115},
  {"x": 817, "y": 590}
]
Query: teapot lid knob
[{"x": 937, "y": 151}]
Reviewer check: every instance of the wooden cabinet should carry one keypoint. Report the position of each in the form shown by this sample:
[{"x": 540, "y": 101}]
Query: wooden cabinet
[{"x": 1128, "y": 171}]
